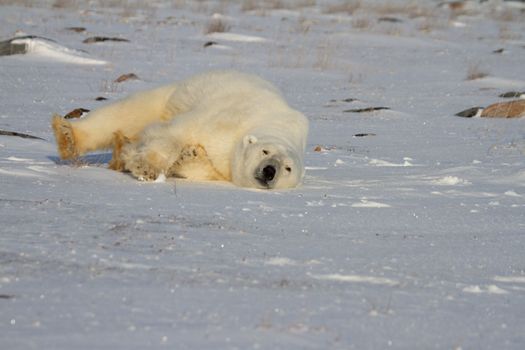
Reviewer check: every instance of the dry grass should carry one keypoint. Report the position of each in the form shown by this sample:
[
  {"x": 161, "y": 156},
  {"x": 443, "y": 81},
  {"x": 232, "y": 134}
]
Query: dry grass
[
  {"x": 475, "y": 71},
  {"x": 250, "y": 5},
  {"x": 26, "y": 3},
  {"x": 348, "y": 7},
  {"x": 324, "y": 57},
  {"x": 411, "y": 10},
  {"x": 282, "y": 57},
  {"x": 392, "y": 30},
  {"x": 428, "y": 24},
  {"x": 505, "y": 33},
  {"x": 216, "y": 25},
  {"x": 64, "y": 4},
  {"x": 304, "y": 24},
  {"x": 506, "y": 15},
  {"x": 110, "y": 86},
  {"x": 254, "y": 5},
  {"x": 361, "y": 22}
]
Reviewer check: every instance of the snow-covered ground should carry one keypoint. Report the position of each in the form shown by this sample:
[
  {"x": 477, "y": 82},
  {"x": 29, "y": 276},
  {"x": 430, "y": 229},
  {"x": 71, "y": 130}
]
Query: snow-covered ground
[{"x": 412, "y": 236}]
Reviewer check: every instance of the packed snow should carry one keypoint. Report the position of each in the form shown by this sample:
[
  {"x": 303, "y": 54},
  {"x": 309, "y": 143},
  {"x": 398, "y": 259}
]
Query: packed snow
[{"x": 407, "y": 233}]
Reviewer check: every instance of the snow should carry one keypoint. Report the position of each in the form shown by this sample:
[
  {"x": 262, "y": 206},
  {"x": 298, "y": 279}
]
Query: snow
[
  {"x": 38, "y": 48},
  {"x": 236, "y": 37},
  {"x": 161, "y": 178},
  {"x": 356, "y": 279},
  {"x": 450, "y": 181},
  {"x": 490, "y": 289},
  {"x": 412, "y": 238},
  {"x": 510, "y": 279}
]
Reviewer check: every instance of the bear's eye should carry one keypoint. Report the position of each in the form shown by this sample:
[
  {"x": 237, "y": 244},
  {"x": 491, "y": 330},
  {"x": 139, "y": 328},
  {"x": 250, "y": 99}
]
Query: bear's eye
[
  {"x": 265, "y": 152},
  {"x": 288, "y": 169}
]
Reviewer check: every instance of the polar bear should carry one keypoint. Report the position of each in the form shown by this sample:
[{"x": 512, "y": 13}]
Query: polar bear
[{"x": 219, "y": 125}]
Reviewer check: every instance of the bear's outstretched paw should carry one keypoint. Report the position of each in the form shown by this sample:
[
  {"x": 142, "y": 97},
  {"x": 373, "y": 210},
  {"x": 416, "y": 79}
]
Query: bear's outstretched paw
[
  {"x": 143, "y": 171},
  {"x": 143, "y": 163}
]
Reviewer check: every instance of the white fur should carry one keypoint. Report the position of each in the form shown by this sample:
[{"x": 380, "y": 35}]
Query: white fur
[{"x": 240, "y": 120}]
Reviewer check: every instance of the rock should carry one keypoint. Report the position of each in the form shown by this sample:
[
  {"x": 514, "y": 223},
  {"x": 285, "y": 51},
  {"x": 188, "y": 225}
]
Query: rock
[
  {"x": 43, "y": 47},
  {"x": 76, "y": 113},
  {"x": 389, "y": 19},
  {"x": 19, "y": 134},
  {"x": 513, "y": 94},
  {"x": 471, "y": 112},
  {"x": 76, "y": 29},
  {"x": 365, "y": 110},
  {"x": 97, "y": 39},
  {"x": 124, "y": 77},
  {"x": 511, "y": 109},
  {"x": 11, "y": 47}
]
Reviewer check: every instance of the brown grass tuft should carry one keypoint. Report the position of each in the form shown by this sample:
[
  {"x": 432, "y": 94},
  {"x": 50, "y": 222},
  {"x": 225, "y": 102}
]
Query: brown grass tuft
[
  {"x": 475, "y": 72},
  {"x": 216, "y": 25},
  {"x": 361, "y": 22},
  {"x": 348, "y": 7}
]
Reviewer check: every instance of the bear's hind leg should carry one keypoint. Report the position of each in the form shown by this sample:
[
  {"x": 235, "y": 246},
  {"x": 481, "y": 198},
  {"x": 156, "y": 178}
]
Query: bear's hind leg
[{"x": 65, "y": 137}]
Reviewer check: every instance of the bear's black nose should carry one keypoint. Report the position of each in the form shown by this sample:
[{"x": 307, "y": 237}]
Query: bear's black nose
[{"x": 269, "y": 173}]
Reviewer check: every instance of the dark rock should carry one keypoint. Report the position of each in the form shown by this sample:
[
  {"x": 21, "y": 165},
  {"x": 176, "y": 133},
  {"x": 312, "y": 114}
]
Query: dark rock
[
  {"x": 210, "y": 43},
  {"x": 76, "y": 29},
  {"x": 365, "y": 110},
  {"x": 389, "y": 19},
  {"x": 97, "y": 39},
  {"x": 76, "y": 113},
  {"x": 469, "y": 113},
  {"x": 512, "y": 94},
  {"x": 125, "y": 77},
  {"x": 7, "y": 47},
  {"x": 19, "y": 134}
]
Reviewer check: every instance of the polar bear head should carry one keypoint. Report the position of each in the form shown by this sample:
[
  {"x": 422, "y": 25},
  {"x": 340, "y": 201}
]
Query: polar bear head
[{"x": 267, "y": 163}]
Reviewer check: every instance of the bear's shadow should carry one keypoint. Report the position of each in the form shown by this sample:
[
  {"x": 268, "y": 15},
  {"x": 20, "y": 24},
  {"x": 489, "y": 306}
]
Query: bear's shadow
[{"x": 97, "y": 159}]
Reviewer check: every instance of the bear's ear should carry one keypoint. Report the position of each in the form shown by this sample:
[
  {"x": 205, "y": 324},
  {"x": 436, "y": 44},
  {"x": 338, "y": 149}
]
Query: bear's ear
[{"x": 249, "y": 139}]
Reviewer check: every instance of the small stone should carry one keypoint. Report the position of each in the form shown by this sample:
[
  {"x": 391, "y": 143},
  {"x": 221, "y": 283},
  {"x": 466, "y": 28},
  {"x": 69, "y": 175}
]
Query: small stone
[
  {"x": 125, "y": 77},
  {"x": 210, "y": 43},
  {"x": 76, "y": 113},
  {"x": 365, "y": 110},
  {"x": 512, "y": 94},
  {"x": 76, "y": 29},
  {"x": 97, "y": 39},
  {"x": 470, "y": 112}
]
